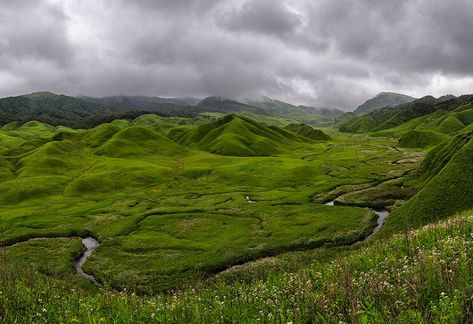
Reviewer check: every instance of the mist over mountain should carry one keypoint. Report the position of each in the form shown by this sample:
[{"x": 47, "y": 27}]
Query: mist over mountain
[
  {"x": 84, "y": 112},
  {"x": 383, "y": 99}
]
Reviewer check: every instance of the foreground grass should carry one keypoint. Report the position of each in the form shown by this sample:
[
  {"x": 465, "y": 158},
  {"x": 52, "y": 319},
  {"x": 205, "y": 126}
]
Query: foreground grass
[{"x": 424, "y": 275}]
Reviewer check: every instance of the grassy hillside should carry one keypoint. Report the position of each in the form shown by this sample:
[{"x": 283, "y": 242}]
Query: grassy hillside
[
  {"x": 441, "y": 115},
  {"x": 307, "y": 131},
  {"x": 423, "y": 276},
  {"x": 137, "y": 141},
  {"x": 238, "y": 136},
  {"x": 447, "y": 186},
  {"x": 421, "y": 138}
]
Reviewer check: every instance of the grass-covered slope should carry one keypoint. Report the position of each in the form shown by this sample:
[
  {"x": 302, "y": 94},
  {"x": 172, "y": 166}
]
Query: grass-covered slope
[
  {"x": 386, "y": 118},
  {"x": 138, "y": 141},
  {"x": 307, "y": 131},
  {"x": 448, "y": 186},
  {"x": 421, "y": 138},
  {"x": 440, "y": 115},
  {"x": 425, "y": 276},
  {"x": 238, "y": 136}
]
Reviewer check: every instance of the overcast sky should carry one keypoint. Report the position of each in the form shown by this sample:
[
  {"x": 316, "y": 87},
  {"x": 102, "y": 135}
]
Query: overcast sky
[{"x": 333, "y": 53}]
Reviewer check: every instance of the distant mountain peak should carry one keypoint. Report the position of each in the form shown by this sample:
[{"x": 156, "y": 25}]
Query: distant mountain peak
[
  {"x": 381, "y": 100},
  {"x": 42, "y": 94}
]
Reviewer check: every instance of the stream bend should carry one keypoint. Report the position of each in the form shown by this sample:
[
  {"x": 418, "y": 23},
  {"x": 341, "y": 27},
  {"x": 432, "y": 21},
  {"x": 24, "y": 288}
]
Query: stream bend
[
  {"x": 90, "y": 245},
  {"x": 382, "y": 215}
]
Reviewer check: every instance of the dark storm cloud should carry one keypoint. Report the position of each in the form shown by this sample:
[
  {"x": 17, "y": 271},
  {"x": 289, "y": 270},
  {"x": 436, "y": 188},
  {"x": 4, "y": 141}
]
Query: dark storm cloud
[
  {"x": 262, "y": 16},
  {"x": 32, "y": 30},
  {"x": 173, "y": 6},
  {"x": 325, "y": 52}
]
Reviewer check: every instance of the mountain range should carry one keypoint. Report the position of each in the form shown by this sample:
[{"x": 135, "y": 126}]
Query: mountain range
[{"x": 86, "y": 112}]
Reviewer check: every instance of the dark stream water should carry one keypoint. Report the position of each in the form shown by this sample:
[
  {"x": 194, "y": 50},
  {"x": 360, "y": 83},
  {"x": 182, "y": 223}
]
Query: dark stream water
[
  {"x": 382, "y": 215},
  {"x": 90, "y": 245}
]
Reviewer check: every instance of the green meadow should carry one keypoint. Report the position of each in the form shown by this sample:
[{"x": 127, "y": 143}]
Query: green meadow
[
  {"x": 173, "y": 201},
  {"x": 224, "y": 219}
]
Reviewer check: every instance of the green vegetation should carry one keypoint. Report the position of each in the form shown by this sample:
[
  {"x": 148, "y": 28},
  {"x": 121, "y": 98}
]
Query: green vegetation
[
  {"x": 87, "y": 112},
  {"x": 49, "y": 108},
  {"x": 447, "y": 186},
  {"x": 415, "y": 138},
  {"x": 238, "y": 136},
  {"x": 439, "y": 115},
  {"x": 421, "y": 276},
  {"x": 307, "y": 131},
  {"x": 221, "y": 218},
  {"x": 173, "y": 200}
]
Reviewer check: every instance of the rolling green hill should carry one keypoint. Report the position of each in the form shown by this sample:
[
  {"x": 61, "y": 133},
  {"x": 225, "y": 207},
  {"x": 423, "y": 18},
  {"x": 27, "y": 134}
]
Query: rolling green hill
[
  {"x": 307, "y": 131},
  {"x": 440, "y": 115},
  {"x": 447, "y": 186},
  {"x": 421, "y": 138},
  {"x": 139, "y": 141},
  {"x": 238, "y": 136}
]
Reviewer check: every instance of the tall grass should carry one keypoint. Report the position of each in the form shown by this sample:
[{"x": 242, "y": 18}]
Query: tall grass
[{"x": 424, "y": 275}]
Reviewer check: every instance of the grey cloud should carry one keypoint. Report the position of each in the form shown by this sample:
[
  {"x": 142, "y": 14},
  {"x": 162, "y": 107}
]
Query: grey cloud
[
  {"x": 325, "y": 52},
  {"x": 173, "y": 6},
  {"x": 262, "y": 16},
  {"x": 32, "y": 30}
]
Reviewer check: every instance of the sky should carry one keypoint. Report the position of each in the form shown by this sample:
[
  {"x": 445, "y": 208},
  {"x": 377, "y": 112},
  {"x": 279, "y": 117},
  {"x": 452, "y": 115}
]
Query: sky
[{"x": 330, "y": 53}]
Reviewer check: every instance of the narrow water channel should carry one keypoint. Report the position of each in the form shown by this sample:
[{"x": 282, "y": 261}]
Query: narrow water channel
[
  {"x": 90, "y": 245},
  {"x": 382, "y": 215}
]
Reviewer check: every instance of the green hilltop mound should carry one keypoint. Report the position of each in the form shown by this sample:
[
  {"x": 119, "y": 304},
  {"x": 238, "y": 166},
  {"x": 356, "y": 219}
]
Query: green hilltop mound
[
  {"x": 19, "y": 139},
  {"x": 100, "y": 134},
  {"x": 307, "y": 131},
  {"x": 138, "y": 141},
  {"x": 448, "y": 186},
  {"x": 450, "y": 125},
  {"x": 54, "y": 158},
  {"x": 237, "y": 136},
  {"x": 6, "y": 170},
  {"x": 8, "y": 142},
  {"x": 421, "y": 138},
  {"x": 161, "y": 124}
]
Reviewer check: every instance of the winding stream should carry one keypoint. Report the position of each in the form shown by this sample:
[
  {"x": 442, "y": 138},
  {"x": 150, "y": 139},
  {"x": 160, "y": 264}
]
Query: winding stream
[
  {"x": 382, "y": 215},
  {"x": 90, "y": 245}
]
